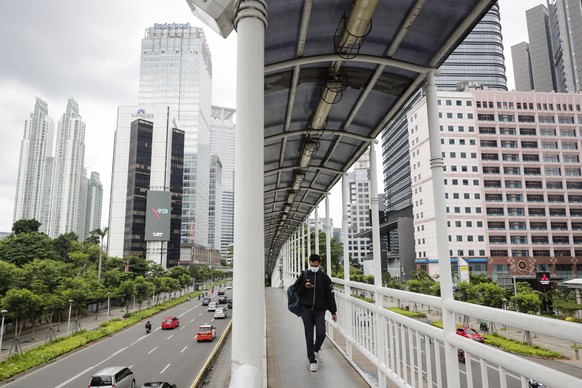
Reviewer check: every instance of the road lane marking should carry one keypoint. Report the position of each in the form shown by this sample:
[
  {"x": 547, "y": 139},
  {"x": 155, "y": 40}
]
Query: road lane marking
[
  {"x": 193, "y": 319},
  {"x": 183, "y": 349},
  {"x": 183, "y": 327},
  {"x": 169, "y": 337},
  {"x": 150, "y": 352},
  {"x": 91, "y": 367},
  {"x": 164, "y": 368}
]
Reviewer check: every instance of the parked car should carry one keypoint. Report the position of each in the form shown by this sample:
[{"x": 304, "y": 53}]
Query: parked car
[
  {"x": 206, "y": 300},
  {"x": 223, "y": 299},
  {"x": 211, "y": 306},
  {"x": 220, "y": 313},
  {"x": 206, "y": 332},
  {"x": 158, "y": 384},
  {"x": 470, "y": 333},
  {"x": 170, "y": 322},
  {"x": 113, "y": 377}
]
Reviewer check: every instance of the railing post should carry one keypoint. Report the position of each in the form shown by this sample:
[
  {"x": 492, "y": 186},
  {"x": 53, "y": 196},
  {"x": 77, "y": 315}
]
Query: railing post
[
  {"x": 316, "y": 230},
  {"x": 348, "y": 306},
  {"x": 442, "y": 241},
  {"x": 327, "y": 235}
]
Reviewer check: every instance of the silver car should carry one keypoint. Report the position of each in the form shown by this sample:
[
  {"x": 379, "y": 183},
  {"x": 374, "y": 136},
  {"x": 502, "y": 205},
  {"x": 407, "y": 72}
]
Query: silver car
[{"x": 113, "y": 376}]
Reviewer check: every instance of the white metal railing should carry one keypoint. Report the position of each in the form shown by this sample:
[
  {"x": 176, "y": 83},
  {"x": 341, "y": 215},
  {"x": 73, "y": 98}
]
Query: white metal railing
[{"x": 414, "y": 350}]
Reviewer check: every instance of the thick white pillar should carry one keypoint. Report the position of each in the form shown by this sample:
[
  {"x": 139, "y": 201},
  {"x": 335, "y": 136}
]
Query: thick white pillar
[
  {"x": 308, "y": 238},
  {"x": 248, "y": 330},
  {"x": 348, "y": 291},
  {"x": 327, "y": 235},
  {"x": 442, "y": 241},
  {"x": 302, "y": 229},
  {"x": 380, "y": 351},
  {"x": 316, "y": 231}
]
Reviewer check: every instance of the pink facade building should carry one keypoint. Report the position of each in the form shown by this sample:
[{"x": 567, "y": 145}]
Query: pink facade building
[{"x": 513, "y": 182}]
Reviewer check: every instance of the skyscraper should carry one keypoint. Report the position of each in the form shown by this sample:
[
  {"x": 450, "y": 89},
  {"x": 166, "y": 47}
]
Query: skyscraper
[
  {"x": 215, "y": 203},
  {"x": 478, "y": 59},
  {"x": 148, "y": 156},
  {"x": 176, "y": 70},
  {"x": 222, "y": 144},
  {"x": 68, "y": 172},
  {"x": 94, "y": 204},
  {"x": 34, "y": 173}
]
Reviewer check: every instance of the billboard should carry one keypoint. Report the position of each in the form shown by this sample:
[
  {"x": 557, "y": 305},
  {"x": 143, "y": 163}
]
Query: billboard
[{"x": 158, "y": 214}]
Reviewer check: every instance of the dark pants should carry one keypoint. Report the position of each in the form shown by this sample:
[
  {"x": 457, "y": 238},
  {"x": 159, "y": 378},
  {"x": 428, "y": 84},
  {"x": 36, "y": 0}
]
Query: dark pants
[{"x": 313, "y": 319}]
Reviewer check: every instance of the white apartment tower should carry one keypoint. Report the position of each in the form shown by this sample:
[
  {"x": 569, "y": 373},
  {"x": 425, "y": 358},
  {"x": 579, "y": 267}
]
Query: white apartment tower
[
  {"x": 93, "y": 209},
  {"x": 69, "y": 173},
  {"x": 359, "y": 208},
  {"x": 222, "y": 144},
  {"x": 176, "y": 71},
  {"x": 34, "y": 173}
]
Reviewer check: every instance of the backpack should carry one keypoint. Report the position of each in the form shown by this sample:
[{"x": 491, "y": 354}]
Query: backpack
[{"x": 294, "y": 299}]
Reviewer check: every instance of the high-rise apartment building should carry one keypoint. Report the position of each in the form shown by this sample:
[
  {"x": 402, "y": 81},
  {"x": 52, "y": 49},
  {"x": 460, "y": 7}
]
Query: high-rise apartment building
[
  {"x": 222, "y": 144},
  {"x": 33, "y": 184},
  {"x": 359, "y": 208},
  {"x": 176, "y": 70},
  {"x": 478, "y": 59},
  {"x": 148, "y": 156},
  {"x": 513, "y": 182},
  {"x": 555, "y": 52},
  {"x": 215, "y": 203}
]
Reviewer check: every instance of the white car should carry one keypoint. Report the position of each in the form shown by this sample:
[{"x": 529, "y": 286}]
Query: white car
[
  {"x": 220, "y": 313},
  {"x": 212, "y": 306}
]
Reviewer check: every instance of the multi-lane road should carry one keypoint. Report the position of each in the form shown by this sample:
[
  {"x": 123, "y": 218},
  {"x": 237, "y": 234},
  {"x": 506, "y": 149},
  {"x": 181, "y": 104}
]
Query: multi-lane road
[{"x": 163, "y": 355}]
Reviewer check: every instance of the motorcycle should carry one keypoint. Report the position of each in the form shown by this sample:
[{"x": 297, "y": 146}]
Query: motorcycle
[
  {"x": 484, "y": 327},
  {"x": 148, "y": 330},
  {"x": 534, "y": 384}
]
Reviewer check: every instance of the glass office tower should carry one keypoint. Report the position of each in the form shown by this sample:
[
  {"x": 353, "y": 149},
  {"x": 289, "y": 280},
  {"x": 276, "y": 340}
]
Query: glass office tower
[{"x": 176, "y": 70}]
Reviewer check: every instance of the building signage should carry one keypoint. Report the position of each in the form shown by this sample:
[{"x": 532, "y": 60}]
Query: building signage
[
  {"x": 141, "y": 113},
  {"x": 171, "y": 26},
  {"x": 158, "y": 215}
]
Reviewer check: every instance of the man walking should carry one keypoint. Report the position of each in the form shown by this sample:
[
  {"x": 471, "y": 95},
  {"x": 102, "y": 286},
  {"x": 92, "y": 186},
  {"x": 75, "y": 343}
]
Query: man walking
[{"x": 316, "y": 290}]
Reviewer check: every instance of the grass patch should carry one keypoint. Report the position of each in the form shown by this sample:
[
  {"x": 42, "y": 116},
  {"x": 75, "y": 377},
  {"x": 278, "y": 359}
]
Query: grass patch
[
  {"x": 514, "y": 346},
  {"x": 360, "y": 297},
  {"x": 406, "y": 313},
  {"x": 42, "y": 354}
]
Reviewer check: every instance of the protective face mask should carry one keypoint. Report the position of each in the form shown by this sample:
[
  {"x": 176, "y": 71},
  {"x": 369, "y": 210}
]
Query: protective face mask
[{"x": 314, "y": 269}]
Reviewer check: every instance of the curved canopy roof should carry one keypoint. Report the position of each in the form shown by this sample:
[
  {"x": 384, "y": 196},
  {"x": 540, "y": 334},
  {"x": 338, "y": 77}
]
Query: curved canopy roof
[{"x": 336, "y": 72}]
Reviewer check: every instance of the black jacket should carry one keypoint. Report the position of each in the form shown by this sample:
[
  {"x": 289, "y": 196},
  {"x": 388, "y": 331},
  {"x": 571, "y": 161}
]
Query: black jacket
[{"x": 320, "y": 297}]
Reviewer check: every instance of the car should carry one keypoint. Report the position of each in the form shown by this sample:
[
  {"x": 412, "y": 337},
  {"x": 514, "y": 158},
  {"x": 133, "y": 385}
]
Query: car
[
  {"x": 229, "y": 305},
  {"x": 170, "y": 322},
  {"x": 113, "y": 377},
  {"x": 229, "y": 287},
  {"x": 470, "y": 333},
  {"x": 212, "y": 306},
  {"x": 223, "y": 299},
  {"x": 206, "y": 332},
  {"x": 206, "y": 300},
  {"x": 220, "y": 313},
  {"x": 158, "y": 384},
  {"x": 221, "y": 292}
]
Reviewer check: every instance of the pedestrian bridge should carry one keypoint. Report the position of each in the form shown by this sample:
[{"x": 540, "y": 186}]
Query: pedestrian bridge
[{"x": 317, "y": 82}]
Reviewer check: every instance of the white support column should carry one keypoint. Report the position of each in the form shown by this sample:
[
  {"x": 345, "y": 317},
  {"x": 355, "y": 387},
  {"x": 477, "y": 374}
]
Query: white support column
[
  {"x": 327, "y": 235},
  {"x": 302, "y": 244},
  {"x": 308, "y": 238},
  {"x": 249, "y": 274},
  {"x": 380, "y": 352},
  {"x": 348, "y": 291},
  {"x": 316, "y": 231},
  {"x": 442, "y": 240}
]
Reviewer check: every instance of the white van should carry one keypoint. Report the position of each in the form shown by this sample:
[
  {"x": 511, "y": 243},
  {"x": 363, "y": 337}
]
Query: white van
[{"x": 113, "y": 376}]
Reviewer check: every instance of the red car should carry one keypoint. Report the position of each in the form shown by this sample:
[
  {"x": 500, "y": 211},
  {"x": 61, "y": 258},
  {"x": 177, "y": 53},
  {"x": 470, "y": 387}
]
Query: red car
[
  {"x": 467, "y": 332},
  {"x": 170, "y": 322},
  {"x": 206, "y": 332}
]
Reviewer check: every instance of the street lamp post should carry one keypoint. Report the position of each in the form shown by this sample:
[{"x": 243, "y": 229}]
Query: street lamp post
[
  {"x": 70, "y": 308},
  {"x": 108, "y": 297},
  {"x": 2, "y": 329}
]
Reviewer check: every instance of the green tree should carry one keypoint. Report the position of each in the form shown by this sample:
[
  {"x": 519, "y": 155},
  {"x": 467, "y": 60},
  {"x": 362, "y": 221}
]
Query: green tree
[
  {"x": 49, "y": 272},
  {"x": 10, "y": 276},
  {"x": 336, "y": 252},
  {"x": 22, "y": 248},
  {"x": 22, "y": 304},
  {"x": 526, "y": 302},
  {"x": 65, "y": 244},
  {"x": 126, "y": 292},
  {"x": 143, "y": 289},
  {"x": 490, "y": 294},
  {"x": 25, "y": 226},
  {"x": 467, "y": 292}
]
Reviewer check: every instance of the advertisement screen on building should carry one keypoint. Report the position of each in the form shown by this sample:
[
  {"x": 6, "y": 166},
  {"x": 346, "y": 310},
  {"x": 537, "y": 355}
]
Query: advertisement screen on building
[{"x": 158, "y": 214}]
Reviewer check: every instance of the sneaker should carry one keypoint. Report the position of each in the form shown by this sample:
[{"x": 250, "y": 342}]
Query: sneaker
[
  {"x": 313, "y": 367},
  {"x": 317, "y": 356}
]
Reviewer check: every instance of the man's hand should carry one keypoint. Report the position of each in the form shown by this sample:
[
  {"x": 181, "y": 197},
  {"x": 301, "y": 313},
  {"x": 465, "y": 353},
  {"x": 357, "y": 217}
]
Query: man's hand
[{"x": 334, "y": 317}]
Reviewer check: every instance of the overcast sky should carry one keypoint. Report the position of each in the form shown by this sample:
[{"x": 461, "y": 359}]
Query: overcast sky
[{"x": 90, "y": 50}]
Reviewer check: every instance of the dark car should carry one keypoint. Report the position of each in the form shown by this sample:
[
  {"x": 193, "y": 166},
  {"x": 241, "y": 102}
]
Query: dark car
[
  {"x": 223, "y": 299},
  {"x": 205, "y": 301},
  {"x": 467, "y": 332},
  {"x": 220, "y": 292},
  {"x": 158, "y": 384},
  {"x": 229, "y": 305}
]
